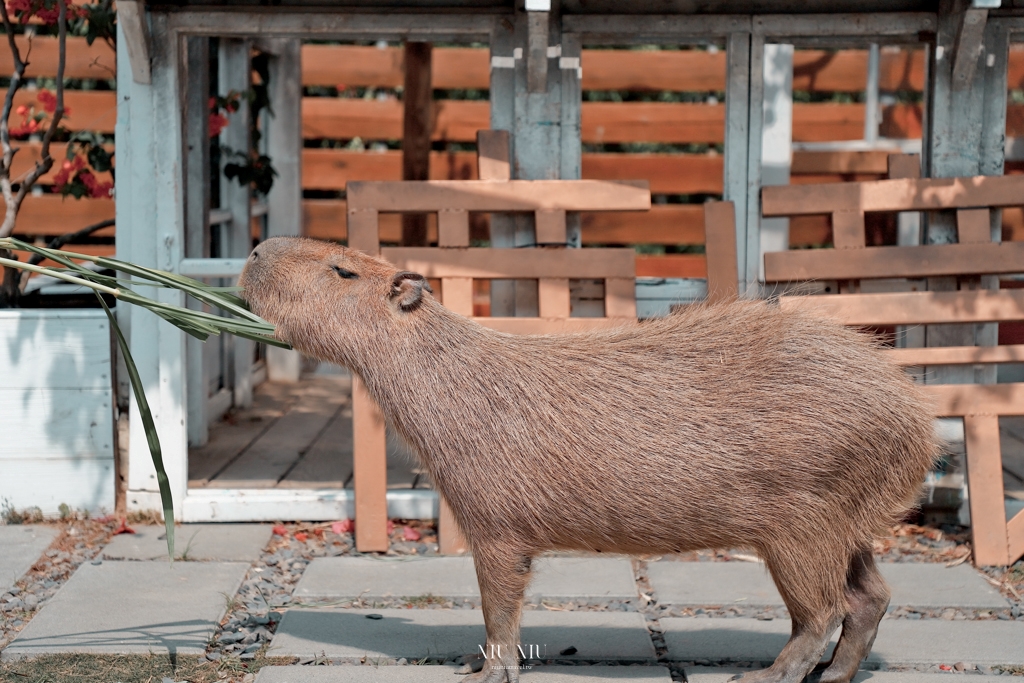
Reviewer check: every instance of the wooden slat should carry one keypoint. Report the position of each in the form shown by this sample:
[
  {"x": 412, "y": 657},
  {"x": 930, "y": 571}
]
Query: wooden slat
[
  {"x": 550, "y": 226},
  {"x": 483, "y": 263},
  {"x": 370, "y": 474},
  {"x": 985, "y": 473},
  {"x": 828, "y": 162},
  {"x": 514, "y": 195},
  {"x": 720, "y": 241},
  {"x": 974, "y": 226},
  {"x": 94, "y": 110},
  {"x": 914, "y": 308},
  {"x": 903, "y": 166},
  {"x": 553, "y": 297},
  {"x": 957, "y": 355},
  {"x": 96, "y": 61},
  {"x": 492, "y": 155},
  {"x": 49, "y": 215},
  {"x": 1015, "y": 537},
  {"x": 929, "y": 260},
  {"x": 672, "y": 265},
  {"x": 453, "y": 228},
  {"x": 363, "y": 231},
  {"x": 619, "y": 297},
  {"x": 29, "y": 153},
  {"x": 551, "y": 325},
  {"x": 457, "y": 295},
  {"x": 958, "y": 400},
  {"x": 663, "y": 224},
  {"x": 905, "y": 194},
  {"x": 848, "y": 230}
]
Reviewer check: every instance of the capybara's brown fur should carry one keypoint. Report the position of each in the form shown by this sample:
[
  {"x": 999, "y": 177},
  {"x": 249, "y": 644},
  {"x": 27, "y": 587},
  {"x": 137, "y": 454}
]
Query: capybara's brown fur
[{"x": 733, "y": 425}]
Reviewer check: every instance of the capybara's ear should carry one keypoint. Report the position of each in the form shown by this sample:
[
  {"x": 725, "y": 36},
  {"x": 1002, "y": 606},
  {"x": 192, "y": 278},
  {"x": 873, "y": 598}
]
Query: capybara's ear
[{"x": 407, "y": 289}]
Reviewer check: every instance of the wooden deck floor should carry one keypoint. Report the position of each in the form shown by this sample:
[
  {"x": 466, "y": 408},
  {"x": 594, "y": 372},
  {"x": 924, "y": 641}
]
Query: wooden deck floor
[{"x": 294, "y": 436}]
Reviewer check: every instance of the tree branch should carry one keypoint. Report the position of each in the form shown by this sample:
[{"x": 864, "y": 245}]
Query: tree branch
[
  {"x": 58, "y": 242},
  {"x": 5, "y": 135}
]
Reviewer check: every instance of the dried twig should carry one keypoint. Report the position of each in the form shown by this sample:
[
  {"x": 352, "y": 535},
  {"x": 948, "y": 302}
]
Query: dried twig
[
  {"x": 45, "y": 163},
  {"x": 58, "y": 242}
]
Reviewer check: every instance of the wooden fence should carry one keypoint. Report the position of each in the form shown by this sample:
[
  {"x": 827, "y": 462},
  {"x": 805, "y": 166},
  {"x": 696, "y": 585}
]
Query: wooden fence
[{"x": 328, "y": 169}]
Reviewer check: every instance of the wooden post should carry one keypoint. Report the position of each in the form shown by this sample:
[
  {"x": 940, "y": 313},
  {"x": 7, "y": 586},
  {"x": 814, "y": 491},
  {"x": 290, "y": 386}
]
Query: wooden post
[
  {"x": 235, "y": 74},
  {"x": 417, "y": 126},
  {"x": 751, "y": 248},
  {"x": 985, "y": 474},
  {"x": 197, "y": 213},
  {"x": 503, "y": 86},
  {"x": 720, "y": 246},
  {"x": 737, "y": 117},
  {"x": 776, "y": 141},
  {"x": 283, "y": 136}
]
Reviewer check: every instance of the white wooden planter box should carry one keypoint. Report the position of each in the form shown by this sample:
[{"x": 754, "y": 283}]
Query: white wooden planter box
[{"x": 56, "y": 410}]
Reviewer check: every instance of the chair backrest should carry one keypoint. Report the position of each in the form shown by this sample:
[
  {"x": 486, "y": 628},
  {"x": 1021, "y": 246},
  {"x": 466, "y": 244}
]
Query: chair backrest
[{"x": 996, "y": 541}]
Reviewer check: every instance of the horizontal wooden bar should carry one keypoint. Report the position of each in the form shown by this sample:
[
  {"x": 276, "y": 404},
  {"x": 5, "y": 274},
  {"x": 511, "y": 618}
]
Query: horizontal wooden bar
[
  {"x": 96, "y": 61},
  {"x": 914, "y": 308},
  {"x": 930, "y": 260},
  {"x": 905, "y": 194},
  {"x": 94, "y": 110},
  {"x": 551, "y": 325},
  {"x": 485, "y": 263},
  {"x": 672, "y": 265},
  {"x": 957, "y": 355},
  {"x": 50, "y": 215},
  {"x": 510, "y": 196},
  {"x": 958, "y": 400},
  {"x": 905, "y": 25}
]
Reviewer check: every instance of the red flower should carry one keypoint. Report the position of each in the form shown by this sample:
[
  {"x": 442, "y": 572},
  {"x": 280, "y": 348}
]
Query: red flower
[
  {"x": 22, "y": 110},
  {"x": 301, "y": 536},
  {"x": 280, "y": 530},
  {"x": 218, "y": 122},
  {"x": 48, "y": 100}
]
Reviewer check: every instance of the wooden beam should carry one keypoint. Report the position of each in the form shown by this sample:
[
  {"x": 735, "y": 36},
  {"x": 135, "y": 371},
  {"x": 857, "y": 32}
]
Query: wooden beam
[
  {"x": 985, "y": 474},
  {"x": 672, "y": 266},
  {"x": 974, "y": 226},
  {"x": 970, "y": 42},
  {"x": 370, "y": 471},
  {"x": 132, "y": 18},
  {"x": 82, "y": 60},
  {"x": 537, "y": 52},
  {"x": 513, "y": 196},
  {"x": 930, "y": 260},
  {"x": 417, "y": 108},
  {"x": 959, "y": 400},
  {"x": 493, "y": 155},
  {"x": 957, "y": 355},
  {"x": 485, "y": 263},
  {"x": 914, "y": 308}
]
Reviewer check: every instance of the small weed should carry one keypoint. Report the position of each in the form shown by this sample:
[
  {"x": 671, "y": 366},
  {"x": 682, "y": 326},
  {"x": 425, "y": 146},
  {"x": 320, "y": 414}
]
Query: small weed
[
  {"x": 10, "y": 515},
  {"x": 421, "y": 601},
  {"x": 82, "y": 668}
]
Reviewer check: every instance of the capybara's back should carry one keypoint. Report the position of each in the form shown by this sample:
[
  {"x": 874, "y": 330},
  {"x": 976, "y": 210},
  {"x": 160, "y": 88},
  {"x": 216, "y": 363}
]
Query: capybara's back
[{"x": 730, "y": 425}]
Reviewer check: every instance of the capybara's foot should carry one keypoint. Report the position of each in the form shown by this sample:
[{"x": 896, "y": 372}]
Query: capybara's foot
[
  {"x": 495, "y": 671},
  {"x": 868, "y": 598}
]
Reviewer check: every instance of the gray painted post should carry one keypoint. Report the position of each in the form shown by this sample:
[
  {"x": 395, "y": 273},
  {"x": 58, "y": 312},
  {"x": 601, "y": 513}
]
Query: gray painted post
[
  {"x": 776, "y": 141},
  {"x": 752, "y": 238},
  {"x": 150, "y": 205},
  {"x": 197, "y": 212},
  {"x": 737, "y": 117},
  {"x": 503, "y": 86},
  {"x": 572, "y": 147},
  {"x": 283, "y": 135},
  {"x": 235, "y": 74}
]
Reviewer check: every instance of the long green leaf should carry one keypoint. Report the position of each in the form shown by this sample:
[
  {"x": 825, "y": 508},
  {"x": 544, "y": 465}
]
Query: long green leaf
[{"x": 152, "y": 438}]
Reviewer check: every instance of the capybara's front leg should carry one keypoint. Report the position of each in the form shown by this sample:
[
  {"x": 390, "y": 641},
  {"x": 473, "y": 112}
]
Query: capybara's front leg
[{"x": 503, "y": 574}]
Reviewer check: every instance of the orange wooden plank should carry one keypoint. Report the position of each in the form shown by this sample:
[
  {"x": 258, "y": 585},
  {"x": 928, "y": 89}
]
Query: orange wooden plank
[
  {"x": 829, "y": 162},
  {"x": 370, "y": 471},
  {"x": 957, "y": 355},
  {"x": 903, "y": 166},
  {"x": 985, "y": 474},
  {"x": 667, "y": 173},
  {"x": 514, "y": 195},
  {"x": 848, "y": 230},
  {"x": 672, "y": 265},
  {"x": 364, "y": 230},
  {"x": 29, "y": 153},
  {"x": 974, "y": 226},
  {"x": 914, "y": 308},
  {"x": 96, "y": 61},
  {"x": 619, "y": 297},
  {"x": 50, "y": 215},
  {"x": 720, "y": 241},
  {"x": 958, "y": 400},
  {"x": 550, "y": 226},
  {"x": 930, "y": 260},
  {"x": 553, "y": 297},
  {"x": 484, "y": 263},
  {"x": 94, "y": 110},
  {"x": 457, "y": 295},
  {"x": 453, "y": 228},
  {"x": 1015, "y": 537}
]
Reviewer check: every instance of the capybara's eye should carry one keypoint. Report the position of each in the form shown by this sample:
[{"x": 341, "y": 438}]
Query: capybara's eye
[{"x": 347, "y": 274}]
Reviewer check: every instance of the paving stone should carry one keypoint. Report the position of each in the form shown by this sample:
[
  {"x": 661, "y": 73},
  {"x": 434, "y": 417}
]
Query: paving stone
[
  {"x": 20, "y": 547},
  {"x": 445, "y": 674},
  {"x": 899, "y": 642},
  {"x": 595, "y": 579},
  {"x": 414, "y": 634},
  {"x": 219, "y": 542},
  {"x": 702, "y": 674},
  {"x": 132, "y": 607},
  {"x": 748, "y": 583}
]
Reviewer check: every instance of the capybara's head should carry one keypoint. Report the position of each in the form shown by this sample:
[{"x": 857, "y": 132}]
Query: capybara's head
[{"x": 326, "y": 299}]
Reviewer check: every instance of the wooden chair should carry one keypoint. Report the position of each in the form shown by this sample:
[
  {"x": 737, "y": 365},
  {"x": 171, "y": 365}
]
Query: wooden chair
[
  {"x": 457, "y": 264},
  {"x": 996, "y": 540}
]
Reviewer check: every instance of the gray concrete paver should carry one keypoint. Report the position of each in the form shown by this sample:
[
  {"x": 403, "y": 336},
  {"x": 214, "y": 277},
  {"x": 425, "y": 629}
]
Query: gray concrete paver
[
  {"x": 913, "y": 584},
  {"x": 900, "y": 642},
  {"x": 218, "y": 542},
  {"x": 709, "y": 674},
  {"x": 445, "y": 674},
  {"x": 20, "y": 547},
  {"x": 414, "y": 634},
  {"x": 594, "y": 579},
  {"x": 132, "y": 607}
]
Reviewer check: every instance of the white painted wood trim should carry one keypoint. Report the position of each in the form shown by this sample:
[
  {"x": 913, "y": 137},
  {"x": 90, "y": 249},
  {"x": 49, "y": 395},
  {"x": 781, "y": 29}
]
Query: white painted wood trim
[
  {"x": 269, "y": 505},
  {"x": 131, "y": 18},
  {"x": 211, "y": 267}
]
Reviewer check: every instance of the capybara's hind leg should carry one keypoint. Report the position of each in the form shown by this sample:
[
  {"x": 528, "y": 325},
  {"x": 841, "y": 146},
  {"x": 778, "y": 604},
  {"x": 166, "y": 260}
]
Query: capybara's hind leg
[
  {"x": 811, "y": 584},
  {"x": 503, "y": 575},
  {"x": 868, "y": 598}
]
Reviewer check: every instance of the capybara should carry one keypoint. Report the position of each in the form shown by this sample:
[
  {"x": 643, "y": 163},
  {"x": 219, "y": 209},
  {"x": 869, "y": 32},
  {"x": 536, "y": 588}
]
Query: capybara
[{"x": 720, "y": 426}]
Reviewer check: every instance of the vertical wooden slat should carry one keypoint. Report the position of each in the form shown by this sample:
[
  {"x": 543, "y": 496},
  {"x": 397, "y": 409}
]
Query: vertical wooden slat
[
  {"x": 985, "y": 479},
  {"x": 904, "y": 166},
  {"x": 492, "y": 155},
  {"x": 364, "y": 230},
  {"x": 457, "y": 295},
  {"x": 417, "y": 124},
  {"x": 370, "y": 471},
  {"x": 737, "y": 116},
  {"x": 551, "y": 226},
  {"x": 720, "y": 248},
  {"x": 1015, "y": 537},
  {"x": 453, "y": 228},
  {"x": 973, "y": 226},
  {"x": 620, "y": 297},
  {"x": 553, "y": 295},
  {"x": 450, "y": 539},
  {"x": 848, "y": 230}
]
